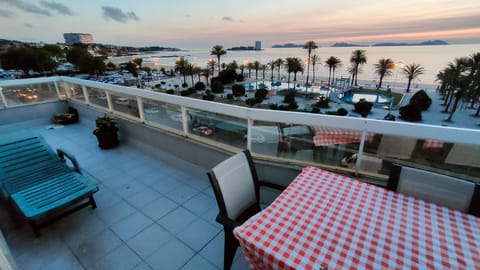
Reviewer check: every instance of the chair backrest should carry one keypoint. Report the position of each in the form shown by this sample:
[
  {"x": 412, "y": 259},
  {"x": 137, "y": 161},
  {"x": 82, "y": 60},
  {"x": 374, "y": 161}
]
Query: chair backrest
[
  {"x": 443, "y": 190},
  {"x": 235, "y": 184}
]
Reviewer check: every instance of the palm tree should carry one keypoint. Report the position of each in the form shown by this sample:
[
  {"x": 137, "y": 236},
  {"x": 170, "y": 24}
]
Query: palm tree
[
  {"x": 263, "y": 67},
  {"x": 191, "y": 71},
  {"x": 412, "y": 72},
  {"x": 206, "y": 73},
  {"x": 358, "y": 58},
  {"x": 138, "y": 61},
  {"x": 473, "y": 92},
  {"x": 455, "y": 75},
  {"x": 271, "y": 64},
  {"x": 242, "y": 68},
  {"x": 233, "y": 66},
  {"x": 295, "y": 65},
  {"x": 315, "y": 59},
  {"x": 182, "y": 65},
  {"x": 256, "y": 66},
  {"x": 211, "y": 64},
  {"x": 279, "y": 63},
  {"x": 351, "y": 70},
  {"x": 218, "y": 51},
  {"x": 197, "y": 71},
  {"x": 250, "y": 66},
  {"x": 332, "y": 62},
  {"x": 384, "y": 68},
  {"x": 309, "y": 46},
  {"x": 455, "y": 79}
]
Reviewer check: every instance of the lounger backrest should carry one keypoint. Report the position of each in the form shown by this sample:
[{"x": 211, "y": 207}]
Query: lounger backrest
[{"x": 25, "y": 159}]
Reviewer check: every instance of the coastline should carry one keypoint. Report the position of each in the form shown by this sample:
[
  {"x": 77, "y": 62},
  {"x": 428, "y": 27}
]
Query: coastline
[{"x": 433, "y": 58}]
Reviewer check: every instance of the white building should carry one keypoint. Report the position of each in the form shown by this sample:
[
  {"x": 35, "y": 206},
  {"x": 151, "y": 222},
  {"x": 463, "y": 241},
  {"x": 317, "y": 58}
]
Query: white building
[{"x": 73, "y": 38}]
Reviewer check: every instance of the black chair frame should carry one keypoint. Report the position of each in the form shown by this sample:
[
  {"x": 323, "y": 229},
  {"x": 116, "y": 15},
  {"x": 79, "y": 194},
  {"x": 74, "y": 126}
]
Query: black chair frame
[{"x": 231, "y": 243}]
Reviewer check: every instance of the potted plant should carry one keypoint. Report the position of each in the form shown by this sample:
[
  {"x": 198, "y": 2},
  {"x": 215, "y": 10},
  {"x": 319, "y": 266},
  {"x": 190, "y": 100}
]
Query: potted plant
[{"x": 106, "y": 132}]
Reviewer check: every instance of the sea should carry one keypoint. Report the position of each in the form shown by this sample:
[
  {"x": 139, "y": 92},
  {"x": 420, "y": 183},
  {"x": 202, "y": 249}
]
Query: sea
[{"x": 432, "y": 58}]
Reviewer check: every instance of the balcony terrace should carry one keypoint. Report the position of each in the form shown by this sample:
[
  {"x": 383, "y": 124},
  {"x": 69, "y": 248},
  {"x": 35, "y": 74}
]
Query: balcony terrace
[{"x": 156, "y": 209}]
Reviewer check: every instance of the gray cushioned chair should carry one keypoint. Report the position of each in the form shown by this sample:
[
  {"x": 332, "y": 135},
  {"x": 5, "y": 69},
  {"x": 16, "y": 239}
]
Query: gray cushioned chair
[
  {"x": 451, "y": 192},
  {"x": 237, "y": 190}
]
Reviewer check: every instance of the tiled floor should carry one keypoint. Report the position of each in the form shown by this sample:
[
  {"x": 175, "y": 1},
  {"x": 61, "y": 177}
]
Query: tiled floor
[{"x": 150, "y": 215}]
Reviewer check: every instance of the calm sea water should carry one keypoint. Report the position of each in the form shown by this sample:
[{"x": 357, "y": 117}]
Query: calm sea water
[{"x": 433, "y": 58}]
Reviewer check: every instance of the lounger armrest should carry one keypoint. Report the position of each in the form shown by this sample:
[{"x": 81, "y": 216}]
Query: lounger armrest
[{"x": 63, "y": 153}]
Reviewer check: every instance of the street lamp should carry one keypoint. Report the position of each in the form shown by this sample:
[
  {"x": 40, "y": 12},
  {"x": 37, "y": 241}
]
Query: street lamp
[
  {"x": 210, "y": 64},
  {"x": 396, "y": 66},
  {"x": 157, "y": 66}
]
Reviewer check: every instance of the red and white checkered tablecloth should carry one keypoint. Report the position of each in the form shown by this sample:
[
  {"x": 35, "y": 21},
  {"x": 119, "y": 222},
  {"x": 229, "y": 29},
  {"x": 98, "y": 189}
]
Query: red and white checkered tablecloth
[
  {"x": 327, "y": 220},
  {"x": 329, "y": 135}
]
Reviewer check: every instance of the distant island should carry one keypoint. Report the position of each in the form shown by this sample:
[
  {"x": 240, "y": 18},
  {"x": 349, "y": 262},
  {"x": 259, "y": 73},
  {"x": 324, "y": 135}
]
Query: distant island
[
  {"x": 242, "y": 48},
  {"x": 156, "y": 49},
  {"x": 344, "y": 44},
  {"x": 288, "y": 45},
  {"x": 424, "y": 43}
]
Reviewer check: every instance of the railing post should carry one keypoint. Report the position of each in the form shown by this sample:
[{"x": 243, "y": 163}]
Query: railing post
[
  {"x": 249, "y": 133},
  {"x": 3, "y": 98},
  {"x": 85, "y": 95},
  {"x": 184, "y": 120},
  {"x": 360, "y": 152},
  {"x": 109, "y": 101},
  {"x": 141, "y": 113},
  {"x": 56, "y": 89}
]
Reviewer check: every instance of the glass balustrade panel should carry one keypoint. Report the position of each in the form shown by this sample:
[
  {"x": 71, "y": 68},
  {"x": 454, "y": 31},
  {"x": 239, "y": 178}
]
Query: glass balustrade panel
[
  {"x": 97, "y": 97},
  {"x": 165, "y": 114},
  {"x": 125, "y": 104},
  {"x": 28, "y": 94},
  {"x": 218, "y": 128},
  {"x": 75, "y": 91},
  {"x": 439, "y": 156}
]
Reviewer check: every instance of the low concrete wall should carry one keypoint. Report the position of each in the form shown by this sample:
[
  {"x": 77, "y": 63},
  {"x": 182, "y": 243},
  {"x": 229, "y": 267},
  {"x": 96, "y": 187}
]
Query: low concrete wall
[{"x": 33, "y": 112}]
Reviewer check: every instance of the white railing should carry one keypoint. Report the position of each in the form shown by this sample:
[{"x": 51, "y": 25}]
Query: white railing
[{"x": 251, "y": 115}]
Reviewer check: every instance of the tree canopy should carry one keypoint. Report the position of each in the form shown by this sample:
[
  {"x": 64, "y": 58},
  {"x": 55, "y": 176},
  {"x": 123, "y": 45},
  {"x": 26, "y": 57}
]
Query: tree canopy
[{"x": 29, "y": 58}]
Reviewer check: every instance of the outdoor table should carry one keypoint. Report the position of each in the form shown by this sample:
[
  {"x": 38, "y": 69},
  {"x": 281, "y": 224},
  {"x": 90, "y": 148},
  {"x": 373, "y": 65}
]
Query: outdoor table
[
  {"x": 328, "y": 135},
  {"x": 328, "y": 220}
]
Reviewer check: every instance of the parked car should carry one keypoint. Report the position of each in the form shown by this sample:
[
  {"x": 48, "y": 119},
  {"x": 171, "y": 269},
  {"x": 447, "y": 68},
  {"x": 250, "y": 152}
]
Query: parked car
[{"x": 122, "y": 101}]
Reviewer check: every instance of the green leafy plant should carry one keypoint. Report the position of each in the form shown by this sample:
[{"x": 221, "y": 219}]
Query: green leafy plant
[
  {"x": 363, "y": 107},
  {"x": 217, "y": 87},
  {"x": 421, "y": 100},
  {"x": 200, "y": 86},
  {"x": 411, "y": 113},
  {"x": 238, "y": 90},
  {"x": 105, "y": 122}
]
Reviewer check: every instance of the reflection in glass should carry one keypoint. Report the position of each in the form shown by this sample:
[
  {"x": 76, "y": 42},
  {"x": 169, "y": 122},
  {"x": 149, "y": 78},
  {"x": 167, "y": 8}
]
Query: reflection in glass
[
  {"x": 218, "y": 128},
  {"x": 27, "y": 94},
  {"x": 163, "y": 113}
]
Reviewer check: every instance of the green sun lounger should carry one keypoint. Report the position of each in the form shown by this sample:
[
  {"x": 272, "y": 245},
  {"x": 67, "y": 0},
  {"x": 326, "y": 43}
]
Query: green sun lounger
[{"x": 38, "y": 184}]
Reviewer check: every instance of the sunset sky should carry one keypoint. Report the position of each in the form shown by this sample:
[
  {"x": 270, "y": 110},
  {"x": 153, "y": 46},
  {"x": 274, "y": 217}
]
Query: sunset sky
[{"x": 191, "y": 24}]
